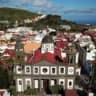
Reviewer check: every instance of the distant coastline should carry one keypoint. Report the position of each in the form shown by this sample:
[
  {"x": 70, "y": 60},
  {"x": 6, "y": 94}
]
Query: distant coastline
[{"x": 86, "y": 22}]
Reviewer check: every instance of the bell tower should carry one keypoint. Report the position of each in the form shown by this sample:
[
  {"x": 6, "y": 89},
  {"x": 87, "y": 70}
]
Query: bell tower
[
  {"x": 19, "y": 52},
  {"x": 47, "y": 44},
  {"x": 71, "y": 52}
]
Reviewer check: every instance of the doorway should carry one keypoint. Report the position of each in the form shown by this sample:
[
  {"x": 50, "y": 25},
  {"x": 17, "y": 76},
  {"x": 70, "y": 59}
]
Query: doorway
[{"x": 46, "y": 83}]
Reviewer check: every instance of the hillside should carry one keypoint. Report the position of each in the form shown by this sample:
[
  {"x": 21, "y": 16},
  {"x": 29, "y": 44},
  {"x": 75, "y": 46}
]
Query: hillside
[
  {"x": 55, "y": 21},
  {"x": 12, "y": 14}
]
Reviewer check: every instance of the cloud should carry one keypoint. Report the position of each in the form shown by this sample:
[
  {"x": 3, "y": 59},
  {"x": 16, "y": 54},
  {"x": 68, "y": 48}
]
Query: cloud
[
  {"x": 44, "y": 3},
  {"x": 5, "y": 1},
  {"x": 30, "y": 2}
]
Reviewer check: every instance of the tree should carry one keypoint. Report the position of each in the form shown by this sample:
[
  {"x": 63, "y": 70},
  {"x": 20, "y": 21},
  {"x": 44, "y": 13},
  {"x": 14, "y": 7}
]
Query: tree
[{"x": 4, "y": 78}]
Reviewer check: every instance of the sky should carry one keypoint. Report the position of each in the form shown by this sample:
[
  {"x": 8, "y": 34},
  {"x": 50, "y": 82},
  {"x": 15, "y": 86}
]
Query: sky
[{"x": 81, "y": 11}]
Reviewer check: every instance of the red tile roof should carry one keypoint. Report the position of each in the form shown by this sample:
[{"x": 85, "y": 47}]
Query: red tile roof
[
  {"x": 2, "y": 92},
  {"x": 9, "y": 52},
  {"x": 38, "y": 56},
  {"x": 61, "y": 44}
]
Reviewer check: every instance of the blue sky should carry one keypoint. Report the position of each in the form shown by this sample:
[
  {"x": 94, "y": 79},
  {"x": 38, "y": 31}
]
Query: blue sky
[{"x": 75, "y": 10}]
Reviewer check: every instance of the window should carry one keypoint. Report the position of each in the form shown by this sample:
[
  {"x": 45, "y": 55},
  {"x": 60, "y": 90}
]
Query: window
[
  {"x": 35, "y": 70},
  {"x": 20, "y": 82},
  {"x": 61, "y": 70},
  {"x": 18, "y": 69},
  {"x": 44, "y": 70},
  {"x": 20, "y": 49},
  {"x": 62, "y": 82},
  {"x": 36, "y": 83},
  {"x": 53, "y": 70},
  {"x": 78, "y": 71},
  {"x": 28, "y": 69},
  {"x": 28, "y": 84},
  {"x": 53, "y": 82},
  {"x": 70, "y": 70},
  {"x": 70, "y": 84},
  {"x": 22, "y": 57},
  {"x": 18, "y": 57}
]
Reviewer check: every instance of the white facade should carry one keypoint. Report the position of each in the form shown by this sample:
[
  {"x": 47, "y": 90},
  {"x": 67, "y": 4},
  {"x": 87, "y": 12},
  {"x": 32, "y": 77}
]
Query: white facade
[
  {"x": 91, "y": 94},
  {"x": 63, "y": 54},
  {"x": 47, "y": 70},
  {"x": 91, "y": 55},
  {"x": 49, "y": 47},
  {"x": 44, "y": 73}
]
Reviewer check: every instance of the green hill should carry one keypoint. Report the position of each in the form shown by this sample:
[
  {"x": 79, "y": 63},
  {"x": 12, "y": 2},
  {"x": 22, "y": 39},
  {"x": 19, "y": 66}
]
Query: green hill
[
  {"x": 13, "y": 14},
  {"x": 54, "y": 21}
]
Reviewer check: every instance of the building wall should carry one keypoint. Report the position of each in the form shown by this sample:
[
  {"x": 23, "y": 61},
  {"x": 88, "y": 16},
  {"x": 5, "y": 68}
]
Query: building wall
[{"x": 33, "y": 78}]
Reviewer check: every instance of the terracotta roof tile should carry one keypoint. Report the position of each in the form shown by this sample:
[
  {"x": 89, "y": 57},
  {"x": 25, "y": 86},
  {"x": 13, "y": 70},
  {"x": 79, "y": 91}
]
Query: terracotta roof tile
[{"x": 31, "y": 46}]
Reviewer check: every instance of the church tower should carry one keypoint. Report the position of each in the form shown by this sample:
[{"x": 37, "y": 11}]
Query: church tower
[
  {"x": 71, "y": 53},
  {"x": 47, "y": 44},
  {"x": 19, "y": 52}
]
